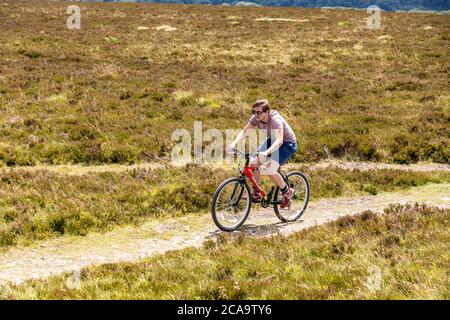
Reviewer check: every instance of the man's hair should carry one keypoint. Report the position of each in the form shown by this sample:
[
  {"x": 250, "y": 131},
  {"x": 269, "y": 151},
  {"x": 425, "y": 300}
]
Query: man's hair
[{"x": 263, "y": 103}]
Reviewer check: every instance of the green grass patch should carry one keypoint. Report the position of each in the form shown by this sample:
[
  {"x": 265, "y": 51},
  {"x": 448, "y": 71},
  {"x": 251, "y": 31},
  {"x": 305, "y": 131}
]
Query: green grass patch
[{"x": 37, "y": 205}]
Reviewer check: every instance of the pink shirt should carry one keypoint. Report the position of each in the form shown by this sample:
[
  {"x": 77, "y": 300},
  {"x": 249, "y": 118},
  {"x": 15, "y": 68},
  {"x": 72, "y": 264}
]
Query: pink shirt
[{"x": 275, "y": 121}]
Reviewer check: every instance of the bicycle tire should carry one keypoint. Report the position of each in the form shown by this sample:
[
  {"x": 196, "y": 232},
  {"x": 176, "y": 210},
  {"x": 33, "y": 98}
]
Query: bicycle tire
[
  {"x": 308, "y": 192},
  {"x": 214, "y": 202}
]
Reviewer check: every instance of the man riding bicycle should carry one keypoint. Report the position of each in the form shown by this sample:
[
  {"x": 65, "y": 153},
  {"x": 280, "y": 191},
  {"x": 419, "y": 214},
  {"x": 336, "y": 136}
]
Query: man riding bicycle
[{"x": 278, "y": 148}]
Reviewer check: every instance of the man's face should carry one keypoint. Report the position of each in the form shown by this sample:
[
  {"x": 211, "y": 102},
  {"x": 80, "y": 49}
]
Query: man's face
[{"x": 260, "y": 114}]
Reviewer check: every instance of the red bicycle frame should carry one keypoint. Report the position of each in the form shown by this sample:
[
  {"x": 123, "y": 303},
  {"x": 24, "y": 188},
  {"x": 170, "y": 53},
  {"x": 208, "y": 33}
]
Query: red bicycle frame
[{"x": 248, "y": 171}]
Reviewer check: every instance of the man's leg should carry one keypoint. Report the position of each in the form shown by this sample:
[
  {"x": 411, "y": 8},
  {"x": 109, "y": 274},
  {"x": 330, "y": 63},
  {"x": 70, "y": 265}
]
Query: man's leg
[
  {"x": 272, "y": 173},
  {"x": 284, "y": 153},
  {"x": 272, "y": 168}
]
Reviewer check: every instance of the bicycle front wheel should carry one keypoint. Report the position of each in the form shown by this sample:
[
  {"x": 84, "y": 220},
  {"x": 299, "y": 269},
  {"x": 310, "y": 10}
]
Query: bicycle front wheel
[
  {"x": 299, "y": 201},
  {"x": 231, "y": 204}
]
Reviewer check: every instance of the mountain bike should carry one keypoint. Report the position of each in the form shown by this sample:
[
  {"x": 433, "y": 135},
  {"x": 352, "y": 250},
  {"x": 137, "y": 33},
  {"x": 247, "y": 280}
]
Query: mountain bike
[{"x": 232, "y": 199}]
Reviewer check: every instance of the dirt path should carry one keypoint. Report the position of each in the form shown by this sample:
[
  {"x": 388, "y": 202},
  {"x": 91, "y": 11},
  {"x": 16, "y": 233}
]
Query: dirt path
[
  {"x": 79, "y": 169},
  {"x": 134, "y": 243}
]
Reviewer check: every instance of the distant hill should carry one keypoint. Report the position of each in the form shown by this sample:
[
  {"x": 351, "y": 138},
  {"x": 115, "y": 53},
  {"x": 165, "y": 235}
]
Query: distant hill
[{"x": 389, "y": 5}]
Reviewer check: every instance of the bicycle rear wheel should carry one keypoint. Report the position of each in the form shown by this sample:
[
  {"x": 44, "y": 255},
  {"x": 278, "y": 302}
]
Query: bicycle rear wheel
[
  {"x": 231, "y": 204},
  {"x": 299, "y": 201}
]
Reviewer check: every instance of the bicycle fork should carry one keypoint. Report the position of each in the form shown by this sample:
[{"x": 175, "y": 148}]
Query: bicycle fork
[{"x": 235, "y": 203}]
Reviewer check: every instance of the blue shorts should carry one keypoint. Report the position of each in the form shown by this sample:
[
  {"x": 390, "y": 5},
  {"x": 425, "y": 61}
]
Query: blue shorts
[{"x": 283, "y": 154}]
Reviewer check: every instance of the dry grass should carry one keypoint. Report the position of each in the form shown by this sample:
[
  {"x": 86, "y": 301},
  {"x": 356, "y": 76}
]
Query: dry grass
[{"x": 109, "y": 93}]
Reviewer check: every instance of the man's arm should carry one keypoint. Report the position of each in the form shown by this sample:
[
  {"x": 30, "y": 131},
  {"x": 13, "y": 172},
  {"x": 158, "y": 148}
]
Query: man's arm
[
  {"x": 241, "y": 135},
  {"x": 278, "y": 133}
]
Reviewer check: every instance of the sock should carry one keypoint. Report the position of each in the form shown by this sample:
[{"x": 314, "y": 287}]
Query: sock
[{"x": 285, "y": 188}]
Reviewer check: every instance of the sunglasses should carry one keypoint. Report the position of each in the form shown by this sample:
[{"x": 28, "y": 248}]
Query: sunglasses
[{"x": 258, "y": 113}]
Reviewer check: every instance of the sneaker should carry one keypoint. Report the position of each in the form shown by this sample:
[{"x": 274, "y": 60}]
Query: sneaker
[
  {"x": 256, "y": 197},
  {"x": 286, "y": 199}
]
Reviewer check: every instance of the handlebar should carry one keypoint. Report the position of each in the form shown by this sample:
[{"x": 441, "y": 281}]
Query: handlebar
[{"x": 244, "y": 154}]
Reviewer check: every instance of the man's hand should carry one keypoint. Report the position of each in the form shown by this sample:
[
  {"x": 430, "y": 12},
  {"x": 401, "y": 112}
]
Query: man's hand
[
  {"x": 263, "y": 155},
  {"x": 230, "y": 148}
]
